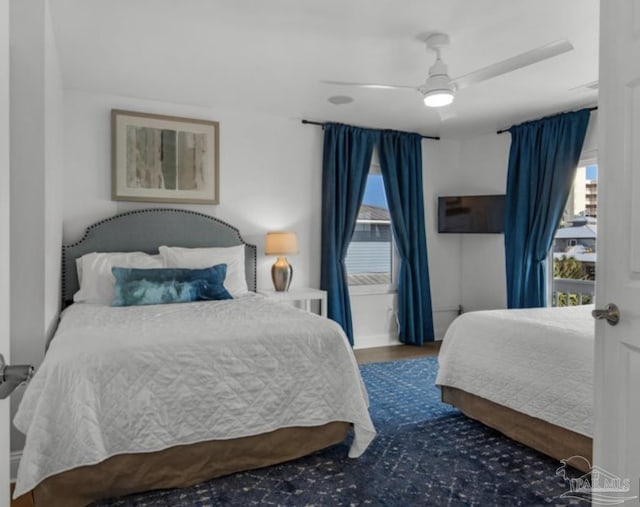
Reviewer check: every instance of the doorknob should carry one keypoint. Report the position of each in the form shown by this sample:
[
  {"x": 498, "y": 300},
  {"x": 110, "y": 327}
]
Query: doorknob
[
  {"x": 611, "y": 313},
  {"x": 12, "y": 376}
]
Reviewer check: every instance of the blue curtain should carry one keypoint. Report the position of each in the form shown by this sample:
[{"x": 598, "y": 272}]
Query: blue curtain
[
  {"x": 345, "y": 166},
  {"x": 542, "y": 163},
  {"x": 401, "y": 166}
]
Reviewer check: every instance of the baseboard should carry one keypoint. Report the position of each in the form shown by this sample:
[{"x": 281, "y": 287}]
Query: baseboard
[
  {"x": 377, "y": 340},
  {"x": 14, "y": 461},
  {"x": 442, "y": 319}
]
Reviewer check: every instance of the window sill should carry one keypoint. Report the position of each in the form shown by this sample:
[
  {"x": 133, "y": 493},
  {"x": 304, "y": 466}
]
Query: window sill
[{"x": 371, "y": 290}]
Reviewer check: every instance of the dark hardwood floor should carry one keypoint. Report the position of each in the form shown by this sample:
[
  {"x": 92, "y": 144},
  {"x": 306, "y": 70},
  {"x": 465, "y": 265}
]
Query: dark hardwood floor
[
  {"x": 23, "y": 501},
  {"x": 393, "y": 353}
]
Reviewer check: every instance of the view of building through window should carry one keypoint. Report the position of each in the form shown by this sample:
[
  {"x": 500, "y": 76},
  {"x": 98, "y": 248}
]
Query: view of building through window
[
  {"x": 370, "y": 255},
  {"x": 574, "y": 247}
]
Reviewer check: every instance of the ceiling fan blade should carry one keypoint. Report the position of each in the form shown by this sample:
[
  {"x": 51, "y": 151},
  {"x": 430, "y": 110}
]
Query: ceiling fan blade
[
  {"x": 371, "y": 85},
  {"x": 593, "y": 85},
  {"x": 514, "y": 63}
]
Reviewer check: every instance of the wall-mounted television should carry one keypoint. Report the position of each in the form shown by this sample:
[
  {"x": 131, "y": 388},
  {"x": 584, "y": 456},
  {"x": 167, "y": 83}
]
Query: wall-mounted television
[{"x": 471, "y": 214}]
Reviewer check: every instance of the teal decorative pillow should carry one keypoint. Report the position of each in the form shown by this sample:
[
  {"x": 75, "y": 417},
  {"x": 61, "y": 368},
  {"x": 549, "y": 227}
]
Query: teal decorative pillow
[{"x": 168, "y": 285}]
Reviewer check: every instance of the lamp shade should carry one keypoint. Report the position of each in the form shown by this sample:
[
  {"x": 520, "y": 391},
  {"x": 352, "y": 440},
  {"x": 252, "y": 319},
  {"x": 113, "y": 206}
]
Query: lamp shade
[{"x": 281, "y": 243}]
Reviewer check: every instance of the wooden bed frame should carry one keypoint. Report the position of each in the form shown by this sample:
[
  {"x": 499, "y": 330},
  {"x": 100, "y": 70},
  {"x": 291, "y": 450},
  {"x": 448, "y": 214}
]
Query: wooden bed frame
[
  {"x": 182, "y": 466},
  {"x": 179, "y": 466},
  {"x": 555, "y": 441}
]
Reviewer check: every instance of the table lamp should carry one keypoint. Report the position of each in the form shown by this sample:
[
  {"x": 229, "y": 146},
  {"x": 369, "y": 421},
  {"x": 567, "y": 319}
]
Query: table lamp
[{"x": 281, "y": 243}]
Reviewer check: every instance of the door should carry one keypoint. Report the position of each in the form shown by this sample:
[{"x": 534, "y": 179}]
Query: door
[
  {"x": 617, "y": 353},
  {"x": 4, "y": 240}
]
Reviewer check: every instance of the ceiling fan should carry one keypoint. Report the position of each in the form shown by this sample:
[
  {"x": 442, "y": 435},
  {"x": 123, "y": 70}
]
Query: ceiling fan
[{"x": 439, "y": 89}]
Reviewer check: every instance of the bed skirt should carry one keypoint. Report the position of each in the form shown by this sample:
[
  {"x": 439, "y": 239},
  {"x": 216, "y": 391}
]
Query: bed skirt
[
  {"x": 555, "y": 441},
  {"x": 183, "y": 466}
]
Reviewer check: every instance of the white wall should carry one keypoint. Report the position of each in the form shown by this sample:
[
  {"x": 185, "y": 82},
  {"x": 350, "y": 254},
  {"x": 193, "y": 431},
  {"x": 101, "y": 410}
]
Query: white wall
[
  {"x": 27, "y": 188},
  {"x": 4, "y": 237},
  {"x": 374, "y": 322},
  {"x": 36, "y": 105},
  {"x": 441, "y": 176},
  {"x": 53, "y": 175},
  {"x": 465, "y": 269},
  {"x": 270, "y": 175},
  {"x": 590, "y": 147},
  {"x": 483, "y": 170}
]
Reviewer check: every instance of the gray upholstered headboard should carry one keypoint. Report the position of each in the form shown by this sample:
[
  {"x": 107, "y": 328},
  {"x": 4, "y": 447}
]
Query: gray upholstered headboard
[{"x": 146, "y": 230}]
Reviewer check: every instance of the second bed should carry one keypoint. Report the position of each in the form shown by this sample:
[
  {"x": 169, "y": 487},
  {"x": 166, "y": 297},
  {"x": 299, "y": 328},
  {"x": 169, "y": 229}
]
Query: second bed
[{"x": 527, "y": 373}]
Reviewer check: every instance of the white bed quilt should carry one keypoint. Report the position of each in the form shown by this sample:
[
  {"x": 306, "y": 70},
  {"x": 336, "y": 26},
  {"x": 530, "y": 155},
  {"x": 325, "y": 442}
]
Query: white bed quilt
[
  {"x": 536, "y": 361},
  {"x": 142, "y": 379}
]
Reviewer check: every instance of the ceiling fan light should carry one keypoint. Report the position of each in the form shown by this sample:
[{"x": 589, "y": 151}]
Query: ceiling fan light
[
  {"x": 438, "y": 98},
  {"x": 437, "y": 91}
]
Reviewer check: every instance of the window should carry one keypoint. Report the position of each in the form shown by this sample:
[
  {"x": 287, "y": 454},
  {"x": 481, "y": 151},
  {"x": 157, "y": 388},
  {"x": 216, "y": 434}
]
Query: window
[
  {"x": 574, "y": 247},
  {"x": 370, "y": 258}
]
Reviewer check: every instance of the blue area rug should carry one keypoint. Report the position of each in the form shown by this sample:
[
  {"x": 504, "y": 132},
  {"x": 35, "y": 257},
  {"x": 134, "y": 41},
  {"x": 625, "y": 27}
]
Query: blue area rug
[{"x": 426, "y": 453}]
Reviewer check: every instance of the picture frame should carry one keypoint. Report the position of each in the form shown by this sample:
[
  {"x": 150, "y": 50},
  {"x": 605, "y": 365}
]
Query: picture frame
[{"x": 159, "y": 158}]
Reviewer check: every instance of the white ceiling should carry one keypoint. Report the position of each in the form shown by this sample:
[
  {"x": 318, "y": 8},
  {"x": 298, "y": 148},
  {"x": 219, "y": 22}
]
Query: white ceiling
[{"x": 270, "y": 56}]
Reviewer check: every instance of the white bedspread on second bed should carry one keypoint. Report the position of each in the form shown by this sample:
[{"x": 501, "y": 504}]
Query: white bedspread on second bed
[
  {"x": 536, "y": 361},
  {"x": 141, "y": 379}
]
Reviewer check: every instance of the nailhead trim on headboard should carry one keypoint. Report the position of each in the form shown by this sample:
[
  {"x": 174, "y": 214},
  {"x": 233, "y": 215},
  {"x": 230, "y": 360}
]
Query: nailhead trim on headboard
[{"x": 64, "y": 283}]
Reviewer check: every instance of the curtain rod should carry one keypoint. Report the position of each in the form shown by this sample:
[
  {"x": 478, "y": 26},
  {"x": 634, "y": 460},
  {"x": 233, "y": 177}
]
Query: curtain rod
[
  {"x": 594, "y": 108},
  {"x": 309, "y": 122}
]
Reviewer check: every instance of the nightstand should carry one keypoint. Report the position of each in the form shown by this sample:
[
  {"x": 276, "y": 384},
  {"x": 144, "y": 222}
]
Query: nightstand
[{"x": 304, "y": 295}]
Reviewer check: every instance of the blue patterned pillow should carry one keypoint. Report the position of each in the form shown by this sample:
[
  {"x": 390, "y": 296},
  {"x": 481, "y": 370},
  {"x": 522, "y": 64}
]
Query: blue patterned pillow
[{"x": 168, "y": 285}]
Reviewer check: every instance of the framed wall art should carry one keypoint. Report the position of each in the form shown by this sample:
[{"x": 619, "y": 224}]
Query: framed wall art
[{"x": 158, "y": 158}]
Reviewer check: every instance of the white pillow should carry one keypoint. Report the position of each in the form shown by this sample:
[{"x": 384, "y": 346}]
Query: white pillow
[
  {"x": 158, "y": 257},
  {"x": 197, "y": 258},
  {"x": 95, "y": 276}
]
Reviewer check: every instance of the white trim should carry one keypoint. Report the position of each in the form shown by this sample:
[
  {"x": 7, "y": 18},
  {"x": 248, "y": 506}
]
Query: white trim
[
  {"x": 440, "y": 325},
  {"x": 376, "y": 340},
  {"x": 589, "y": 157},
  {"x": 370, "y": 290},
  {"x": 14, "y": 458},
  {"x": 372, "y": 221},
  {"x": 447, "y": 309}
]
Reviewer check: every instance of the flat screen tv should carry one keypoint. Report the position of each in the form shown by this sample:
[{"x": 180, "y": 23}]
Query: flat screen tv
[{"x": 471, "y": 214}]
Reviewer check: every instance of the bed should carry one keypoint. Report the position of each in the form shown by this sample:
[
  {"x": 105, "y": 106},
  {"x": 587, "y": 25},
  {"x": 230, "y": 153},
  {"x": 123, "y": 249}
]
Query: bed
[
  {"x": 527, "y": 373},
  {"x": 170, "y": 395}
]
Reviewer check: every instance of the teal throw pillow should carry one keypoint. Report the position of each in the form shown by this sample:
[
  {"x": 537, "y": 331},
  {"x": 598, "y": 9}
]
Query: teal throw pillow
[{"x": 156, "y": 286}]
